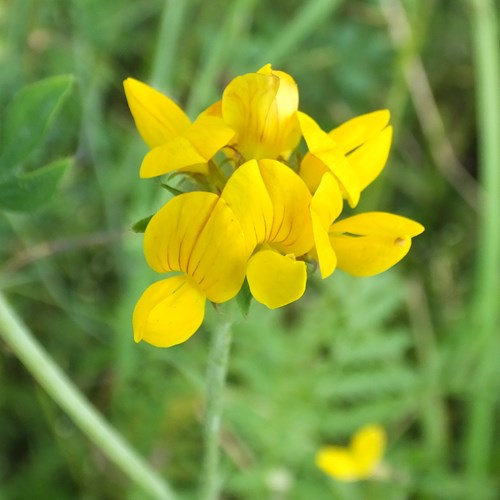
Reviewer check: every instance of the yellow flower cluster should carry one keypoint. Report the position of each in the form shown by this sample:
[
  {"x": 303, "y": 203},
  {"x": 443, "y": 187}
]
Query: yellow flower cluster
[{"x": 262, "y": 211}]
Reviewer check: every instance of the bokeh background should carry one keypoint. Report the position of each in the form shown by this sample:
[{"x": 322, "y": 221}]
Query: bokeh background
[{"x": 401, "y": 349}]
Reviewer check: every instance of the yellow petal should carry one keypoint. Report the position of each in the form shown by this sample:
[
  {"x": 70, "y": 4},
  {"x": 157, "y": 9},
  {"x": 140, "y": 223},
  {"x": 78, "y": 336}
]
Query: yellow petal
[
  {"x": 355, "y": 132},
  {"x": 247, "y": 196},
  {"x": 173, "y": 231},
  {"x": 157, "y": 117},
  {"x": 311, "y": 171},
  {"x": 209, "y": 134},
  {"x": 369, "y": 159},
  {"x": 378, "y": 222},
  {"x": 246, "y": 103},
  {"x": 324, "y": 148},
  {"x": 368, "y": 448},
  {"x": 169, "y": 312},
  {"x": 276, "y": 280},
  {"x": 198, "y": 234},
  {"x": 327, "y": 200},
  {"x": 218, "y": 260},
  {"x": 371, "y": 243},
  {"x": 262, "y": 108},
  {"x": 176, "y": 154},
  {"x": 291, "y": 230},
  {"x": 326, "y": 206},
  {"x": 323, "y": 251},
  {"x": 339, "y": 463}
]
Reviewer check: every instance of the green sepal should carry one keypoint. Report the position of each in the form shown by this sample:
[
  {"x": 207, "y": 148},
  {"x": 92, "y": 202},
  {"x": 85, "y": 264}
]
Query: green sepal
[
  {"x": 244, "y": 299},
  {"x": 29, "y": 190},
  {"x": 28, "y": 117},
  {"x": 141, "y": 225}
]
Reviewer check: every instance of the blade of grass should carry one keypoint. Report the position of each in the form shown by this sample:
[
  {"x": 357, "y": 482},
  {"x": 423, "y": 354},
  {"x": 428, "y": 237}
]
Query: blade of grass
[
  {"x": 48, "y": 374},
  {"x": 479, "y": 439}
]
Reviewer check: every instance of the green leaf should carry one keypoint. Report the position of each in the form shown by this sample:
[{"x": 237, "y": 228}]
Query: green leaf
[
  {"x": 28, "y": 117},
  {"x": 27, "y": 191},
  {"x": 141, "y": 225}
]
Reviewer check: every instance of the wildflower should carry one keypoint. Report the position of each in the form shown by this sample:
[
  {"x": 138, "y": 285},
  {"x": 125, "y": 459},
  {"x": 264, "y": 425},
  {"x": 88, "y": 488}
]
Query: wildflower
[
  {"x": 175, "y": 142},
  {"x": 272, "y": 204},
  {"x": 355, "y": 152},
  {"x": 261, "y": 107},
  {"x": 360, "y": 460},
  {"x": 198, "y": 235},
  {"x": 362, "y": 245}
]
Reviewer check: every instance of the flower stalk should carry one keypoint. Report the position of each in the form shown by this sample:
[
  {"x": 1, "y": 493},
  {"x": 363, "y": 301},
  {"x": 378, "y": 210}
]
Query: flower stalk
[{"x": 216, "y": 380}]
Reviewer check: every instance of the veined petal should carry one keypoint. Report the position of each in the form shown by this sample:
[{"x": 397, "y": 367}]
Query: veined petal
[
  {"x": 246, "y": 105},
  {"x": 291, "y": 230},
  {"x": 174, "y": 230},
  {"x": 276, "y": 280},
  {"x": 169, "y": 312},
  {"x": 324, "y": 148},
  {"x": 218, "y": 260},
  {"x": 371, "y": 243},
  {"x": 369, "y": 159},
  {"x": 356, "y": 131},
  {"x": 157, "y": 117},
  {"x": 247, "y": 196},
  {"x": 339, "y": 463},
  {"x": 368, "y": 448},
  {"x": 198, "y": 234},
  {"x": 287, "y": 104},
  {"x": 176, "y": 154}
]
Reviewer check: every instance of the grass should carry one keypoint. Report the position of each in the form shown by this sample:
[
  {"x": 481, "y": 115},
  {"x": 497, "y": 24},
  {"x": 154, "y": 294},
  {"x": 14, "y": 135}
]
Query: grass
[{"x": 415, "y": 349}]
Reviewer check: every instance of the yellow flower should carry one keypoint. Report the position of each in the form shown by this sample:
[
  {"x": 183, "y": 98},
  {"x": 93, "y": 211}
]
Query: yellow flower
[
  {"x": 261, "y": 107},
  {"x": 359, "y": 460},
  {"x": 272, "y": 204},
  {"x": 175, "y": 142},
  {"x": 355, "y": 152},
  {"x": 372, "y": 242},
  {"x": 362, "y": 245},
  {"x": 198, "y": 235}
]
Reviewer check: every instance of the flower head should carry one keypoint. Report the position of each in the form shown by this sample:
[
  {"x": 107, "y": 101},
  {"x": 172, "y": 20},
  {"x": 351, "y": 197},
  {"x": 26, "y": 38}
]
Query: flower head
[
  {"x": 262, "y": 213},
  {"x": 175, "y": 142},
  {"x": 360, "y": 460}
]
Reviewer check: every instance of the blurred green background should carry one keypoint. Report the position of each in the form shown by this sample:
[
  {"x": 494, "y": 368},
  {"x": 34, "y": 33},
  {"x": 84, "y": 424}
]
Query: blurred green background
[{"x": 403, "y": 349}]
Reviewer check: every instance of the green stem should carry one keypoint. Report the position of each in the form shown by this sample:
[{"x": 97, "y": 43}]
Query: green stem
[
  {"x": 486, "y": 312},
  {"x": 216, "y": 380},
  {"x": 41, "y": 366}
]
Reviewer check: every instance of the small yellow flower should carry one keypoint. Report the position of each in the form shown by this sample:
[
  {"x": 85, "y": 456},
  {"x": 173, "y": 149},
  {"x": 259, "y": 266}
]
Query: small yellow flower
[
  {"x": 175, "y": 142},
  {"x": 262, "y": 107},
  {"x": 198, "y": 235},
  {"x": 362, "y": 245},
  {"x": 355, "y": 152},
  {"x": 360, "y": 460},
  {"x": 272, "y": 204}
]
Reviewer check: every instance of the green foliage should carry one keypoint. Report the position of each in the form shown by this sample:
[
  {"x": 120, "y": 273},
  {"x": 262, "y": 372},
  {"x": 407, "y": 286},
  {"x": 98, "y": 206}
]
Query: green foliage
[
  {"x": 25, "y": 126},
  {"x": 28, "y": 190}
]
